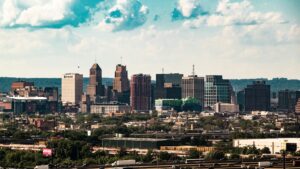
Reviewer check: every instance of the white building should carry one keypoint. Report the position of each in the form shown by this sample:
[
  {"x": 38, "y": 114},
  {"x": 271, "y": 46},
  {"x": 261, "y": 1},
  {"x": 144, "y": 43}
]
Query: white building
[
  {"x": 274, "y": 144},
  {"x": 226, "y": 107},
  {"x": 71, "y": 88},
  {"x": 106, "y": 108}
]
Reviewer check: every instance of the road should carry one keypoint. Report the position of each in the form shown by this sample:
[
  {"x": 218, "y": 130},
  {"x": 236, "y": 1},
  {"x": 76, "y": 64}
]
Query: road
[{"x": 203, "y": 165}]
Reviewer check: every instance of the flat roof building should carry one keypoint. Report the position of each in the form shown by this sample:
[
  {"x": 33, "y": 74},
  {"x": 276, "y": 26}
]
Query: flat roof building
[
  {"x": 217, "y": 89},
  {"x": 275, "y": 145},
  {"x": 258, "y": 96},
  {"x": 193, "y": 86},
  {"x": 140, "y": 93},
  {"x": 106, "y": 108},
  {"x": 141, "y": 143},
  {"x": 72, "y": 84}
]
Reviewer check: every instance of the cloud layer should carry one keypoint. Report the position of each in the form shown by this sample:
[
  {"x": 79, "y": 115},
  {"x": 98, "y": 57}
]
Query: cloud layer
[
  {"x": 46, "y": 13},
  {"x": 235, "y": 13},
  {"x": 188, "y": 9},
  {"x": 125, "y": 15}
]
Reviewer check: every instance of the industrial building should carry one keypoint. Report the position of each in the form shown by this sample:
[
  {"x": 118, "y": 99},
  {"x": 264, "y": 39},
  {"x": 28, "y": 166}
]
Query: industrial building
[
  {"x": 274, "y": 144},
  {"x": 141, "y": 143}
]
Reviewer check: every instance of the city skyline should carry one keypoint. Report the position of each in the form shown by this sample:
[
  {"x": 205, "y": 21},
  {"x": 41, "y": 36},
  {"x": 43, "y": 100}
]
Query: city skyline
[{"x": 258, "y": 39}]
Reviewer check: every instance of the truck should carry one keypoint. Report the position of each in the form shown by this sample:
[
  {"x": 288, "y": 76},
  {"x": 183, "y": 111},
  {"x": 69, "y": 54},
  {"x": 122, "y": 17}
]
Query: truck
[
  {"x": 123, "y": 162},
  {"x": 41, "y": 167},
  {"x": 265, "y": 164}
]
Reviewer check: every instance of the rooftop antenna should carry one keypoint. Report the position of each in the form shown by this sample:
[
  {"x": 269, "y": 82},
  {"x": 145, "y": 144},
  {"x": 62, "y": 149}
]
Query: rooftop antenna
[
  {"x": 121, "y": 60},
  {"x": 163, "y": 70},
  {"x": 95, "y": 59},
  {"x": 193, "y": 73}
]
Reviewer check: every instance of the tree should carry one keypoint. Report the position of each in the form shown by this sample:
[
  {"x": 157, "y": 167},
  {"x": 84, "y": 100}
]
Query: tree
[
  {"x": 165, "y": 156},
  {"x": 265, "y": 150},
  {"x": 148, "y": 157},
  {"x": 194, "y": 154},
  {"x": 191, "y": 104},
  {"x": 215, "y": 155},
  {"x": 122, "y": 152}
]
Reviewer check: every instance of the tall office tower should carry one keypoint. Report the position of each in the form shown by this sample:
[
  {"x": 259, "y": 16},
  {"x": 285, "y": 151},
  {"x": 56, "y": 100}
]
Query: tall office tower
[
  {"x": 297, "y": 107},
  {"x": 140, "y": 92},
  {"x": 168, "y": 86},
  {"x": 217, "y": 89},
  {"x": 241, "y": 100},
  {"x": 287, "y": 100},
  {"x": 95, "y": 87},
  {"x": 193, "y": 86},
  {"x": 71, "y": 88},
  {"x": 121, "y": 82},
  {"x": 257, "y": 96}
]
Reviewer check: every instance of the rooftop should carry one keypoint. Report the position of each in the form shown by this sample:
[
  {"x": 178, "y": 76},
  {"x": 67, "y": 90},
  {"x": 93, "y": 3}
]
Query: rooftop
[{"x": 134, "y": 139}]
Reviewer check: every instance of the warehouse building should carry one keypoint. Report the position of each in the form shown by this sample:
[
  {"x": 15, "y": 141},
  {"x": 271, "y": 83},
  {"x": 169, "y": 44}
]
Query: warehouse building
[
  {"x": 140, "y": 143},
  {"x": 274, "y": 144}
]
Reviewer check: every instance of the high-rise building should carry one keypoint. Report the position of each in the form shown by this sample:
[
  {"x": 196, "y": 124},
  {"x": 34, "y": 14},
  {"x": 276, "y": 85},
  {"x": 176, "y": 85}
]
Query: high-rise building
[
  {"x": 193, "y": 86},
  {"x": 297, "y": 107},
  {"x": 241, "y": 100},
  {"x": 140, "y": 92},
  {"x": 287, "y": 99},
  {"x": 71, "y": 88},
  {"x": 168, "y": 86},
  {"x": 217, "y": 90},
  {"x": 51, "y": 93},
  {"x": 95, "y": 88},
  {"x": 121, "y": 82},
  {"x": 257, "y": 96}
]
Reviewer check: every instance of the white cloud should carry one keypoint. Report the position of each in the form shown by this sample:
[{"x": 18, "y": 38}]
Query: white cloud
[
  {"x": 125, "y": 15},
  {"x": 187, "y": 9},
  {"x": 236, "y": 13},
  {"x": 45, "y": 13}
]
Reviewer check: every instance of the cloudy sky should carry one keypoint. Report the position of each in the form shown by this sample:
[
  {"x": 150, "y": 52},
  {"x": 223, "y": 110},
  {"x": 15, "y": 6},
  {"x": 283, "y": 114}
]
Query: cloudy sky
[{"x": 235, "y": 38}]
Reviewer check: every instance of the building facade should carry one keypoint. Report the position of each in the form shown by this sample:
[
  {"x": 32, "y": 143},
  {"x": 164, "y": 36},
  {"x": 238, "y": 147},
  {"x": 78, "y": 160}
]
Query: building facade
[
  {"x": 121, "y": 82},
  {"x": 287, "y": 100},
  {"x": 217, "y": 89},
  {"x": 95, "y": 88},
  {"x": 226, "y": 107},
  {"x": 258, "y": 96},
  {"x": 71, "y": 89},
  {"x": 275, "y": 145},
  {"x": 168, "y": 86},
  {"x": 106, "y": 108},
  {"x": 140, "y": 93},
  {"x": 297, "y": 107},
  {"x": 193, "y": 86}
]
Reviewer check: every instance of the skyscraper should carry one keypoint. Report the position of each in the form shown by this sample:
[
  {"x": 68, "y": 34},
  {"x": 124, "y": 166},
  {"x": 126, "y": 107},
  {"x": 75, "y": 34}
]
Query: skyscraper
[
  {"x": 287, "y": 99},
  {"x": 71, "y": 88},
  {"x": 257, "y": 96},
  {"x": 121, "y": 82},
  {"x": 168, "y": 86},
  {"x": 95, "y": 87},
  {"x": 193, "y": 86},
  {"x": 217, "y": 89},
  {"x": 140, "y": 92},
  {"x": 297, "y": 107}
]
